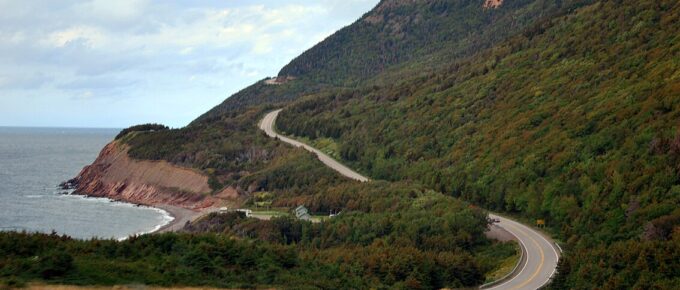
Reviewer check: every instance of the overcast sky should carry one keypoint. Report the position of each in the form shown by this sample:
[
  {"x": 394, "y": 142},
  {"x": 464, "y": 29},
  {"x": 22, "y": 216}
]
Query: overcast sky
[{"x": 115, "y": 63}]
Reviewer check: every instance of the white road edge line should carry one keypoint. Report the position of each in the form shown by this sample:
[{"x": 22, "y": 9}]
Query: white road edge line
[{"x": 522, "y": 250}]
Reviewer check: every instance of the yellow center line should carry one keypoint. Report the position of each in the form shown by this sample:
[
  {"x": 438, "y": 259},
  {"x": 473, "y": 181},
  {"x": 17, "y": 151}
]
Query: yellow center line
[{"x": 540, "y": 265}]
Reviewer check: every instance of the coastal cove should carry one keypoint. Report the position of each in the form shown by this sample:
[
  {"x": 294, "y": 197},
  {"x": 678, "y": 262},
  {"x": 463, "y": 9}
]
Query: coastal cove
[
  {"x": 168, "y": 216},
  {"x": 33, "y": 161}
]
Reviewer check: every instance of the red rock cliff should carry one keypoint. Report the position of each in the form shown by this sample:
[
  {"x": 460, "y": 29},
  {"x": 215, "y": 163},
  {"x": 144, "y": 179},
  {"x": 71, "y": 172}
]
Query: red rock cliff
[{"x": 115, "y": 175}]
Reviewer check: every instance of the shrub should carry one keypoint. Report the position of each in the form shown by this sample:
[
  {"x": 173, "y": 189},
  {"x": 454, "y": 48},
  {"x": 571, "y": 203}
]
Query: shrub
[{"x": 142, "y": 128}]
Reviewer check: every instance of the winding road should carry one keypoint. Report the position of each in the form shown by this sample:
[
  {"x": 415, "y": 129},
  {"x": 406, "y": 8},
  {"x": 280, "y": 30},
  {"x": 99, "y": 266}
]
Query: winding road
[
  {"x": 539, "y": 261},
  {"x": 267, "y": 125},
  {"x": 540, "y": 254}
]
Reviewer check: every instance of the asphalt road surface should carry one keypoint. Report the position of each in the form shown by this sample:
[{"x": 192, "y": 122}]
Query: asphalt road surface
[
  {"x": 540, "y": 253},
  {"x": 540, "y": 257},
  {"x": 267, "y": 125}
]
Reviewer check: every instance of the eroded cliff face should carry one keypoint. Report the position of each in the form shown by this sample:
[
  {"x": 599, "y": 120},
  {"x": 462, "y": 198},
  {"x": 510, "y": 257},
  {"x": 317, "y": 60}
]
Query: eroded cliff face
[{"x": 115, "y": 175}]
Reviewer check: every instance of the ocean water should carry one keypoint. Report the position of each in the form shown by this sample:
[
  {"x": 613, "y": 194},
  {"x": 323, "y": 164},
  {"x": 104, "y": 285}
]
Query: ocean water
[{"x": 33, "y": 161}]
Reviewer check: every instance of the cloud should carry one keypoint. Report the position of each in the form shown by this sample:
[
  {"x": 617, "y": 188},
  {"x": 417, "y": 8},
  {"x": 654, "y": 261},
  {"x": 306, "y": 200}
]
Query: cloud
[
  {"x": 138, "y": 50},
  {"x": 94, "y": 83},
  {"x": 113, "y": 11},
  {"x": 22, "y": 81},
  {"x": 90, "y": 36}
]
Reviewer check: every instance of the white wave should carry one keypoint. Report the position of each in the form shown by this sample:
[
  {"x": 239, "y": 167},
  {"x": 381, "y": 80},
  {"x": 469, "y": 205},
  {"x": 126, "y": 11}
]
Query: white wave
[
  {"x": 63, "y": 191},
  {"x": 167, "y": 219}
]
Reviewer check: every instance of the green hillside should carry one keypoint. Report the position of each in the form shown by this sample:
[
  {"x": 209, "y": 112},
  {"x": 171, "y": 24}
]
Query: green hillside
[
  {"x": 565, "y": 110},
  {"x": 574, "y": 121}
]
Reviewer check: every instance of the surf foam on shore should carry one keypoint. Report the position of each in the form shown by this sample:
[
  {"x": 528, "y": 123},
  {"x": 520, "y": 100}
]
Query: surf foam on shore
[
  {"x": 167, "y": 219},
  {"x": 166, "y": 216}
]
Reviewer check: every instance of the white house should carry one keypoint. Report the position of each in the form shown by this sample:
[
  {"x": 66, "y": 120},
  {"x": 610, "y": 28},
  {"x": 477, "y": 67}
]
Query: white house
[{"x": 302, "y": 213}]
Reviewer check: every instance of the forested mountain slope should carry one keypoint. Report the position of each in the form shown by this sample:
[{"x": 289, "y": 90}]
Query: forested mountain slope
[
  {"x": 574, "y": 121},
  {"x": 559, "y": 110},
  {"x": 429, "y": 33},
  {"x": 400, "y": 30}
]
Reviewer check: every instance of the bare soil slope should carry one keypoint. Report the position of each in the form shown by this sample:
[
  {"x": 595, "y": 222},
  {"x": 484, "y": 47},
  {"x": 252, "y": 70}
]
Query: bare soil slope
[{"x": 119, "y": 177}]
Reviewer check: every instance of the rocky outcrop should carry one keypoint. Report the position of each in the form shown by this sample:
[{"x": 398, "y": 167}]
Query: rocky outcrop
[
  {"x": 492, "y": 4},
  {"x": 117, "y": 176}
]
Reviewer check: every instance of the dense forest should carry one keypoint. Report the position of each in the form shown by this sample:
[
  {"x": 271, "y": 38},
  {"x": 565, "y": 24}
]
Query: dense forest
[
  {"x": 395, "y": 236},
  {"x": 565, "y": 111}
]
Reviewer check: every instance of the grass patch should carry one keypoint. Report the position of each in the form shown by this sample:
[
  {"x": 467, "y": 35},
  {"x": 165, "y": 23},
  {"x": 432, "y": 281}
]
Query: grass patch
[
  {"x": 270, "y": 213},
  {"x": 499, "y": 260},
  {"x": 326, "y": 145}
]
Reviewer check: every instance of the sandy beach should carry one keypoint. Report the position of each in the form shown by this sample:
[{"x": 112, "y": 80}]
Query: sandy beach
[{"x": 181, "y": 216}]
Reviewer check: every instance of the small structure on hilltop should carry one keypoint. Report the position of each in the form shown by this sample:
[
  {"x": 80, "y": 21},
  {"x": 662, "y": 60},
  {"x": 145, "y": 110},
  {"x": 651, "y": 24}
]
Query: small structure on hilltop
[
  {"x": 302, "y": 213},
  {"x": 278, "y": 80}
]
